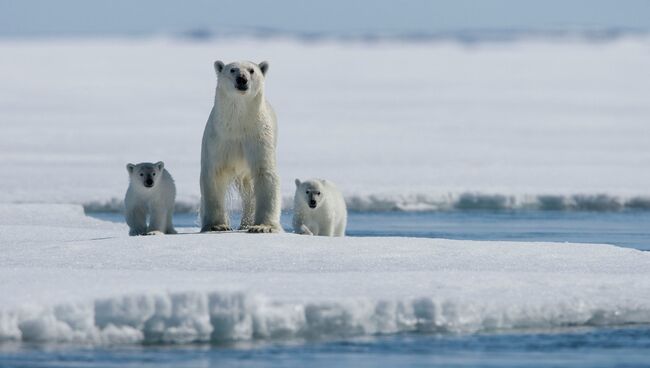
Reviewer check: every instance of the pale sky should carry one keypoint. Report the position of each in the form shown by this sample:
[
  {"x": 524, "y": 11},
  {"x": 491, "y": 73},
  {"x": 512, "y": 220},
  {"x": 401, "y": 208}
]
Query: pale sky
[{"x": 113, "y": 17}]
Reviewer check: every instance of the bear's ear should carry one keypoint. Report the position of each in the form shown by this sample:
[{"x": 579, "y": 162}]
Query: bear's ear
[
  {"x": 130, "y": 167},
  {"x": 297, "y": 182},
  {"x": 160, "y": 165},
  {"x": 264, "y": 67},
  {"x": 218, "y": 66}
]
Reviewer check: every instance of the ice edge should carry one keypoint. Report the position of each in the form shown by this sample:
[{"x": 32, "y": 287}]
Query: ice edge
[{"x": 189, "y": 317}]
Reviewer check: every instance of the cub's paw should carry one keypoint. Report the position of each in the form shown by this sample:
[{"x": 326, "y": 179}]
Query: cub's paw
[
  {"x": 155, "y": 232},
  {"x": 221, "y": 227},
  {"x": 305, "y": 230},
  {"x": 264, "y": 229}
]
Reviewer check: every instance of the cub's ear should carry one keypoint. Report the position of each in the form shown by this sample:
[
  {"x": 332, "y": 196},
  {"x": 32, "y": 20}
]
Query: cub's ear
[
  {"x": 297, "y": 182},
  {"x": 264, "y": 67},
  {"x": 130, "y": 167},
  {"x": 218, "y": 66},
  {"x": 160, "y": 165}
]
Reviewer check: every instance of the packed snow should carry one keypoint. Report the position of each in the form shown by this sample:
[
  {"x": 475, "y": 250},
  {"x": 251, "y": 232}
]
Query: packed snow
[
  {"x": 408, "y": 126},
  {"x": 70, "y": 278}
]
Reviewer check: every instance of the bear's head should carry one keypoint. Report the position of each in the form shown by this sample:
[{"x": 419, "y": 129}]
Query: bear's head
[
  {"x": 242, "y": 78},
  {"x": 146, "y": 174},
  {"x": 310, "y": 192}
]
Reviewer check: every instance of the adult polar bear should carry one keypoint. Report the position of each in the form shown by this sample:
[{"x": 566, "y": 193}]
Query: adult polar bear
[{"x": 239, "y": 144}]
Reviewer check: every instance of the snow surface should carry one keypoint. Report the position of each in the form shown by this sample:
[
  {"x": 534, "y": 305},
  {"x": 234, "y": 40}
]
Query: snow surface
[
  {"x": 412, "y": 126},
  {"x": 70, "y": 278},
  {"x": 396, "y": 126}
]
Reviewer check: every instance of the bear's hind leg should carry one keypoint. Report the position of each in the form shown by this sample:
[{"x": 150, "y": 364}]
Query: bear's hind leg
[{"x": 245, "y": 188}]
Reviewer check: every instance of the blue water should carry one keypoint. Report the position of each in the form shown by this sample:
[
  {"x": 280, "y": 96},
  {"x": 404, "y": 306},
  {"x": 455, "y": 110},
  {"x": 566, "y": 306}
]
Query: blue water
[
  {"x": 623, "y": 346},
  {"x": 626, "y": 229},
  {"x": 610, "y": 347}
]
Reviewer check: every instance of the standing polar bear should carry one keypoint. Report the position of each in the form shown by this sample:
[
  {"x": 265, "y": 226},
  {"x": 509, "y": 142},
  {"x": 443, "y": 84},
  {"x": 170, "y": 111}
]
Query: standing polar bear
[
  {"x": 319, "y": 209},
  {"x": 239, "y": 144}
]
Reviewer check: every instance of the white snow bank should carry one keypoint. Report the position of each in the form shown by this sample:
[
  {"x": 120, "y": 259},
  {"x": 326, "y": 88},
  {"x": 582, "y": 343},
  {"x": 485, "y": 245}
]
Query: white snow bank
[
  {"x": 406, "y": 126},
  {"x": 227, "y": 316},
  {"x": 106, "y": 287}
]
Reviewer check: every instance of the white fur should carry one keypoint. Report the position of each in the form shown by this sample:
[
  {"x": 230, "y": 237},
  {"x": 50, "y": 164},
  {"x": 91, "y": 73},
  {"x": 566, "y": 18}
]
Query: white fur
[
  {"x": 328, "y": 218},
  {"x": 239, "y": 145},
  {"x": 155, "y": 203}
]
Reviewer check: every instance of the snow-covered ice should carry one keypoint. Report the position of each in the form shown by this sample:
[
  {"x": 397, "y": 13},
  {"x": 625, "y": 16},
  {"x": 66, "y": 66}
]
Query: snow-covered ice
[
  {"x": 407, "y": 126},
  {"x": 70, "y": 278},
  {"x": 398, "y": 126}
]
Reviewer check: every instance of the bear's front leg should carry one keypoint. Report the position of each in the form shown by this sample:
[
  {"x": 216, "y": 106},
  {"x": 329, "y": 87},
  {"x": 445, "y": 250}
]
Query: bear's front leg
[
  {"x": 214, "y": 186},
  {"x": 327, "y": 230},
  {"x": 155, "y": 232},
  {"x": 170, "y": 225},
  {"x": 304, "y": 230},
  {"x": 298, "y": 226},
  {"x": 158, "y": 221},
  {"x": 136, "y": 218},
  {"x": 267, "y": 202}
]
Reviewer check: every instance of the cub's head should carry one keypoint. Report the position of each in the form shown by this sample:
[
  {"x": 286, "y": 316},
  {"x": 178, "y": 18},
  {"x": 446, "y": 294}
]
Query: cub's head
[
  {"x": 310, "y": 192},
  {"x": 241, "y": 77},
  {"x": 146, "y": 174}
]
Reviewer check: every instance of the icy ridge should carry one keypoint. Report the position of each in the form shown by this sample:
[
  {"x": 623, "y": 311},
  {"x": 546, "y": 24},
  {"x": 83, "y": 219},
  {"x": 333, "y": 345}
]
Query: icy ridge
[
  {"x": 448, "y": 202},
  {"x": 238, "y": 316}
]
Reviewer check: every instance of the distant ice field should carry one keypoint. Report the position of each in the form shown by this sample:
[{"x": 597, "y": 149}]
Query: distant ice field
[{"x": 418, "y": 126}]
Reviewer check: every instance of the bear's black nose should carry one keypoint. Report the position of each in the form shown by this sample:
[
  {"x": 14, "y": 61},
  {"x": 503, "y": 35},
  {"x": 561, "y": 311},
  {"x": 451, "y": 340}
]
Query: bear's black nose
[
  {"x": 149, "y": 182},
  {"x": 241, "y": 81},
  {"x": 312, "y": 203}
]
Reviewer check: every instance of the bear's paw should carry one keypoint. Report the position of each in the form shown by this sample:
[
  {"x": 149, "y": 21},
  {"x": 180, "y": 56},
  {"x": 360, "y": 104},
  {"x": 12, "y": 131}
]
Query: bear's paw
[
  {"x": 264, "y": 229},
  {"x": 219, "y": 228},
  {"x": 155, "y": 232}
]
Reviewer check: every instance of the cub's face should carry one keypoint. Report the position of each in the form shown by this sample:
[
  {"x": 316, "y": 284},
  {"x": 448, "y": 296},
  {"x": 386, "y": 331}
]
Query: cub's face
[
  {"x": 310, "y": 192},
  {"x": 146, "y": 174},
  {"x": 241, "y": 77}
]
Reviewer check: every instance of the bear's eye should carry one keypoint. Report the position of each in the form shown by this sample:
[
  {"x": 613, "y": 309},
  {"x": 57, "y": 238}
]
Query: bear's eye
[
  {"x": 307, "y": 192},
  {"x": 232, "y": 71},
  {"x": 154, "y": 174},
  {"x": 317, "y": 193},
  {"x": 251, "y": 71},
  {"x": 141, "y": 174}
]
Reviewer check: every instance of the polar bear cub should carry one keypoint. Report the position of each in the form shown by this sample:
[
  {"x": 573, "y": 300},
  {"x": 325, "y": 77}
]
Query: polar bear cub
[
  {"x": 239, "y": 147},
  {"x": 151, "y": 195},
  {"x": 319, "y": 209}
]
